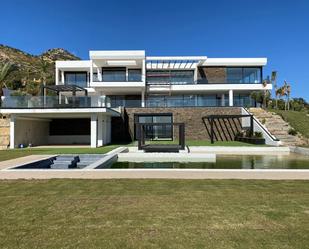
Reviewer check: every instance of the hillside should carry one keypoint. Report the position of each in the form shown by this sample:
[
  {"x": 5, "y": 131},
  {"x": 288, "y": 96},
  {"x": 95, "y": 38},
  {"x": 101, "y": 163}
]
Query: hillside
[{"x": 26, "y": 68}]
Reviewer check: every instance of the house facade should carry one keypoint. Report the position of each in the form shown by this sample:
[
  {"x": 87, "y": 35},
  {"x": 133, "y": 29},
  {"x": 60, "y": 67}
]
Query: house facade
[{"x": 96, "y": 100}]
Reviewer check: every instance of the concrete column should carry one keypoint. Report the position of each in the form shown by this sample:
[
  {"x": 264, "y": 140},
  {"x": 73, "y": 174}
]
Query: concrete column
[
  {"x": 91, "y": 71},
  {"x": 62, "y": 77},
  {"x": 93, "y": 130},
  {"x": 223, "y": 99},
  {"x": 57, "y": 76},
  {"x": 127, "y": 74},
  {"x": 143, "y": 99},
  {"x": 103, "y": 100},
  {"x": 144, "y": 71},
  {"x": 99, "y": 73},
  {"x": 231, "y": 98},
  {"x": 105, "y": 130},
  {"x": 100, "y": 130},
  {"x": 108, "y": 130},
  {"x": 12, "y": 131}
]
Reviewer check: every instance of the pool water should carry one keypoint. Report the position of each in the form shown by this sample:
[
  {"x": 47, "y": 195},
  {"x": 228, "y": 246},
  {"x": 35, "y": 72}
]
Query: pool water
[{"x": 292, "y": 161}]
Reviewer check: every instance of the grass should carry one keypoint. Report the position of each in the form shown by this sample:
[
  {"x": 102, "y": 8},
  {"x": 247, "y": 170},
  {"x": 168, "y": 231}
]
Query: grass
[
  {"x": 154, "y": 214},
  {"x": 298, "y": 120},
  {"x": 11, "y": 154}
]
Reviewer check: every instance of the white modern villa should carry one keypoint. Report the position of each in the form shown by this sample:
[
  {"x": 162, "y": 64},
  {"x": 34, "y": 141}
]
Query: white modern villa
[{"x": 98, "y": 101}]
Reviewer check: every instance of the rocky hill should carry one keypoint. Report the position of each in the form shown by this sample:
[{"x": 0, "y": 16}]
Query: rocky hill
[{"x": 28, "y": 68}]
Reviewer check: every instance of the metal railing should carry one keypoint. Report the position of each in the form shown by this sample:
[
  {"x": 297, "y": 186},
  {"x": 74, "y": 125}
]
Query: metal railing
[{"x": 261, "y": 126}]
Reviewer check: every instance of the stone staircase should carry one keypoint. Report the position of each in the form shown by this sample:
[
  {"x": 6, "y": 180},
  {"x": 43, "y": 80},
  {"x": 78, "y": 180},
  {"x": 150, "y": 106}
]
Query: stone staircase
[
  {"x": 277, "y": 126},
  {"x": 4, "y": 133}
]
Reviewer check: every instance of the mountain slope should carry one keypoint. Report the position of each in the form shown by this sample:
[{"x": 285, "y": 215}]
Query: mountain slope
[{"x": 26, "y": 68}]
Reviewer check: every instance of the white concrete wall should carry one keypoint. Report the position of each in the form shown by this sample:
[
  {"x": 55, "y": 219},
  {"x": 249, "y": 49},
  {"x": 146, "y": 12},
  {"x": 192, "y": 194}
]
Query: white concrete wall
[
  {"x": 69, "y": 139},
  {"x": 31, "y": 131}
]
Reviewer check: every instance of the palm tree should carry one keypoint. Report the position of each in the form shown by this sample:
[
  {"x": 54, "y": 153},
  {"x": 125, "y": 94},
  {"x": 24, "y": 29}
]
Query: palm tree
[
  {"x": 44, "y": 65},
  {"x": 274, "y": 82},
  {"x": 265, "y": 82},
  {"x": 4, "y": 72},
  {"x": 288, "y": 93}
]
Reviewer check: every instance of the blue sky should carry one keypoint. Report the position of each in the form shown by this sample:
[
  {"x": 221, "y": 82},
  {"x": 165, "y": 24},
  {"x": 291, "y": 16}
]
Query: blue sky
[{"x": 274, "y": 29}]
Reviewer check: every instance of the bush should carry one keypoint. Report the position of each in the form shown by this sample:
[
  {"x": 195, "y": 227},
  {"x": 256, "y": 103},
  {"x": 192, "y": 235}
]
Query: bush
[
  {"x": 292, "y": 131},
  {"x": 258, "y": 134}
]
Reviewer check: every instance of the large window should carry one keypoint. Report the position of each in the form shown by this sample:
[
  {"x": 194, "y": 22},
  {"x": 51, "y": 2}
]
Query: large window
[
  {"x": 157, "y": 131},
  {"x": 134, "y": 75},
  {"x": 76, "y": 78},
  {"x": 114, "y": 74},
  {"x": 243, "y": 75},
  {"x": 230, "y": 75},
  {"x": 170, "y": 76}
]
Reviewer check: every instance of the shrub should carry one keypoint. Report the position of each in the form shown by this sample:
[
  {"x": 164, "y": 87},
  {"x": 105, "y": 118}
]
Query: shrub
[
  {"x": 292, "y": 131},
  {"x": 258, "y": 134}
]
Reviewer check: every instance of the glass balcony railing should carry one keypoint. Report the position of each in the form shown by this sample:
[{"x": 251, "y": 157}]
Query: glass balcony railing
[
  {"x": 117, "y": 78},
  {"x": 38, "y": 102},
  {"x": 199, "y": 81}
]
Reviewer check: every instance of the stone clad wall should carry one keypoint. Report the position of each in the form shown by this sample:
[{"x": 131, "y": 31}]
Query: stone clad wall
[
  {"x": 212, "y": 74},
  {"x": 4, "y": 133},
  {"x": 196, "y": 128}
]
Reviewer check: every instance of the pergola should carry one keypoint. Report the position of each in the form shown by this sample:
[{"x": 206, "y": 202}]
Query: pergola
[
  {"x": 212, "y": 118},
  {"x": 64, "y": 88},
  {"x": 160, "y": 147},
  {"x": 174, "y": 62}
]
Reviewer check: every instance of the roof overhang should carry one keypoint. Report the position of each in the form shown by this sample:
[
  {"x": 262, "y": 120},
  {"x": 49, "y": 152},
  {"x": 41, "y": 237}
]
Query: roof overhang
[
  {"x": 117, "y": 55},
  {"x": 235, "y": 62},
  {"x": 73, "y": 65}
]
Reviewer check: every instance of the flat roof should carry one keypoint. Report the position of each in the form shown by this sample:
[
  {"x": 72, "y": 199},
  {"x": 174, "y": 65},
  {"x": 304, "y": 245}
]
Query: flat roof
[
  {"x": 235, "y": 62},
  {"x": 117, "y": 54}
]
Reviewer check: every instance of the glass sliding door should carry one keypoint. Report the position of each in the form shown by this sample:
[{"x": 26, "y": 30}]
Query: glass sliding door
[
  {"x": 75, "y": 78},
  {"x": 162, "y": 131}
]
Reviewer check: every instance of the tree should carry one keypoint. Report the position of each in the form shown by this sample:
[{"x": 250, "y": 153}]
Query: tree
[
  {"x": 4, "y": 73},
  {"x": 288, "y": 93},
  {"x": 265, "y": 82},
  {"x": 44, "y": 66},
  {"x": 274, "y": 82}
]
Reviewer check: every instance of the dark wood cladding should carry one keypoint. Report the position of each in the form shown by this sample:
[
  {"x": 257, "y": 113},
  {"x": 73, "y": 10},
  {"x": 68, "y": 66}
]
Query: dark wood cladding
[{"x": 211, "y": 74}]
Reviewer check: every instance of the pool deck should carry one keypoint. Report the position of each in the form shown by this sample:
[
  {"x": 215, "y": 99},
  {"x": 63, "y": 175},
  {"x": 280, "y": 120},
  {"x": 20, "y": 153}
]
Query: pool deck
[
  {"x": 157, "y": 174},
  {"x": 22, "y": 160}
]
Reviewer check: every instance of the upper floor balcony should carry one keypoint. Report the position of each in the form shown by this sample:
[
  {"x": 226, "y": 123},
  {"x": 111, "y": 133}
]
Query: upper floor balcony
[{"x": 206, "y": 75}]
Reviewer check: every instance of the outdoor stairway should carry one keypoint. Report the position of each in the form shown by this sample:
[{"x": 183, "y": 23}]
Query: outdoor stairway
[
  {"x": 276, "y": 126},
  {"x": 73, "y": 161}
]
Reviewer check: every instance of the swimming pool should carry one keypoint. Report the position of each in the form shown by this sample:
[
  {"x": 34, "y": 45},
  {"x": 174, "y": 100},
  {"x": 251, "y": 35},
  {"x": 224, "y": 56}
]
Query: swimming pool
[{"x": 291, "y": 161}]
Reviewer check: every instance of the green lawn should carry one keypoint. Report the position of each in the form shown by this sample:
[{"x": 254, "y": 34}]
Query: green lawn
[
  {"x": 298, "y": 120},
  {"x": 154, "y": 214},
  {"x": 11, "y": 154}
]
